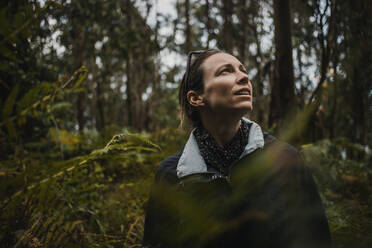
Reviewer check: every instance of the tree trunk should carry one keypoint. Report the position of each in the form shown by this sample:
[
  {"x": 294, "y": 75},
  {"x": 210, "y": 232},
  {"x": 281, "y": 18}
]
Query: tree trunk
[
  {"x": 258, "y": 80},
  {"x": 358, "y": 114},
  {"x": 100, "y": 121},
  {"x": 139, "y": 69},
  {"x": 188, "y": 27},
  {"x": 243, "y": 30},
  {"x": 282, "y": 93},
  {"x": 129, "y": 68},
  {"x": 227, "y": 28},
  {"x": 324, "y": 40},
  {"x": 208, "y": 22},
  {"x": 134, "y": 91},
  {"x": 78, "y": 55}
]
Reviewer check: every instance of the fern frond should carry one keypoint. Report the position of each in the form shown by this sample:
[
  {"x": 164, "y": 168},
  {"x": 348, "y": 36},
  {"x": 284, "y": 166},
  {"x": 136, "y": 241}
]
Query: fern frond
[
  {"x": 77, "y": 77},
  {"x": 132, "y": 138},
  {"x": 120, "y": 146},
  {"x": 134, "y": 234}
]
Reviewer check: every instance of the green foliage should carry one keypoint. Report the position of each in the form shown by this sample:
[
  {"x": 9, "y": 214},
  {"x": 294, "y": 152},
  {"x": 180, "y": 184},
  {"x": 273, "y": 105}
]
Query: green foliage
[
  {"x": 88, "y": 201},
  {"x": 8, "y": 109},
  {"x": 343, "y": 175},
  {"x": 38, "y": 103}
]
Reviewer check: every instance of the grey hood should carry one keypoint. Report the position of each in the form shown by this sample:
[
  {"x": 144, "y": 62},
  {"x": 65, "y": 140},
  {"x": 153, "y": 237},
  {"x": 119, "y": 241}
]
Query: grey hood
[{"x": 191, "y": 161}]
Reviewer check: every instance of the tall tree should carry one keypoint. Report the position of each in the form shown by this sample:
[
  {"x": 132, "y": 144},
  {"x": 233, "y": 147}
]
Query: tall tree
[
  {"x": 227, "y": 32},
  {"x": 282, "y": 92},
  {"x": 355, "y": 40},
  {"x": 140, "y": 65},
  {"x": 208, "y": 24},
  {"x": 187, "y": 26}
]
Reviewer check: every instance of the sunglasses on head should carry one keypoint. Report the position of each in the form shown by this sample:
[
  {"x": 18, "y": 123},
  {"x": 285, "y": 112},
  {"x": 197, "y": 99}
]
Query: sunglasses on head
[{"x": 189, "y": 55}]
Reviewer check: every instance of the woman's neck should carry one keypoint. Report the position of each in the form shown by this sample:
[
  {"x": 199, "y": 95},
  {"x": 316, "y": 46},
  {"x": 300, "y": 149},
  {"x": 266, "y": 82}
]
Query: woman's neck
[{"x": 222, "y": 129}]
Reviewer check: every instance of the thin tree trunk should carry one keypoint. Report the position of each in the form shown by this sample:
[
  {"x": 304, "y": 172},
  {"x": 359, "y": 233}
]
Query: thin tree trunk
[
  {"x": 243, "y": 26},
  {"x": 129, "y": 100},
  {"x": 332, "y": 115},
  {"x": 227, "y": 28},
  {"x": 100, "y": 121},
  {"x": 188, "y": 27},
  {"x": 335, "y": 60},
  {"x": 258, "y": 81},
  {"x": 324, "y": 40},
  {"x": 129, "y": 88},
  {"x": 208, "y": 22},
  {"x": 282, "y": 92},
  {"x": 358, "y": 113},
  {"x": 78, "y": 55}
]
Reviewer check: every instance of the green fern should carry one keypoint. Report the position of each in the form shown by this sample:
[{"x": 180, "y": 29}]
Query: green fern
[
  {"x": 66, "y": 208},
  {"x": 31, "y": 108},
  {"x": 8, "y": 109}
]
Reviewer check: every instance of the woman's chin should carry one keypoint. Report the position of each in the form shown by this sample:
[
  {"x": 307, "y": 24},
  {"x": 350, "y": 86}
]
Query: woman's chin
[
  {"x": 227, "y": 110},
  {"x": 242, "y": 109},
  {"x": 245, "y": 106}
]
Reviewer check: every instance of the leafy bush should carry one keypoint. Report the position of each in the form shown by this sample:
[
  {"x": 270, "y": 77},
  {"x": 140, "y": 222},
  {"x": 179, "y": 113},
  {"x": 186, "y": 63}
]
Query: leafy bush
[{"x": 343, "y": 175}]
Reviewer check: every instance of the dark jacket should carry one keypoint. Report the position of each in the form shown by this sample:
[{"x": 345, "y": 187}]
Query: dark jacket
[{"x": 269, "y": 199}]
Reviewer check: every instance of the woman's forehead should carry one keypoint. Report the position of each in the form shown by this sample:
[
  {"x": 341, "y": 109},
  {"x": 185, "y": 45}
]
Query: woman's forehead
[{"x": 219, "y": 59}]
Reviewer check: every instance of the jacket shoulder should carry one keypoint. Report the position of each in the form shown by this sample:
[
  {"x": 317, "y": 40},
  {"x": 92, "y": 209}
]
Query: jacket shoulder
[
  {"x": 167, "y": 169},
  {"x": 287, "y": 156},
  {"x": 271, "y": 140},
  {"x": 268, "y": 138}
]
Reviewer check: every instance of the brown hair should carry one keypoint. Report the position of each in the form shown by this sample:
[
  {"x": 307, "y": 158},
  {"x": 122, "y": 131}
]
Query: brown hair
[{"x": 195, "y": 81}]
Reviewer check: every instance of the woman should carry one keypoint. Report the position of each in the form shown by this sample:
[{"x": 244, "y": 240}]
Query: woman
[{"x": 232, "y": 185}]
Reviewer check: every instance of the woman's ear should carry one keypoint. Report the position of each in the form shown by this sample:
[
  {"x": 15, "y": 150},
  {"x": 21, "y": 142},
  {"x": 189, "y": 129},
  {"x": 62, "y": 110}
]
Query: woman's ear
[{"x": 195, "y": 99}]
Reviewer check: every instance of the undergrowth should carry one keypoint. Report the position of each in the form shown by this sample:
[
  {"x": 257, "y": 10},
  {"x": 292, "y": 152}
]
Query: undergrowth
[
  {"x": 98, "y": 199},
  {"x": 94, "y": 200},
  {"x": 343, "y": 174}
]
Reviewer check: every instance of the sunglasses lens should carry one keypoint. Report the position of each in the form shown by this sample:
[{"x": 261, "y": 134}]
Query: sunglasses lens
[{"x": 189, "y": 63}]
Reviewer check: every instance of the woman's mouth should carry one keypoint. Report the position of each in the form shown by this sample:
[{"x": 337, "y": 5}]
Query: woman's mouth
[{"x": 243, "y": 92}]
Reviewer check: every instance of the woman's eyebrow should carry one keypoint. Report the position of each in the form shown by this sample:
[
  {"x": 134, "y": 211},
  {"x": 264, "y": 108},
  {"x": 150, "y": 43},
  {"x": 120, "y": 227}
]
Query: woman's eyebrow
[
  {"x": 229, "y": 65},
  {"x": 242, "y": 67},
  {"x": 222, "y": 66}
]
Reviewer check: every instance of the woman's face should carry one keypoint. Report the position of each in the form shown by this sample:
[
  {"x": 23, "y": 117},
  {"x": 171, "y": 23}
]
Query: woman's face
[{"x": 226, "y": 84}]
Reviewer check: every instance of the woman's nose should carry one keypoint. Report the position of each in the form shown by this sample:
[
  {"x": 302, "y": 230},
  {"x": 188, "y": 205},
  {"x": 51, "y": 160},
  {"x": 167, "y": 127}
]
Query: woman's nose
[{"x": 242, "y": 78}]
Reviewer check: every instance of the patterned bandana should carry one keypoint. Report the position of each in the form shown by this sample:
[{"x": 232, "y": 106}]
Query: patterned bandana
[{"x": 217, "y": 157}]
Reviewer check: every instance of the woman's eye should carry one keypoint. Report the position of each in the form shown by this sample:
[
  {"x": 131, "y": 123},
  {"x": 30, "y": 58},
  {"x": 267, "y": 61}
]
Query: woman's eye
[{"x": 224, "y": 70}]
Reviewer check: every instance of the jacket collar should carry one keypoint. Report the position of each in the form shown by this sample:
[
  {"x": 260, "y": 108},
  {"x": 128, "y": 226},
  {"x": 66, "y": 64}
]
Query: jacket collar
[{"x": 191, "y": 161}]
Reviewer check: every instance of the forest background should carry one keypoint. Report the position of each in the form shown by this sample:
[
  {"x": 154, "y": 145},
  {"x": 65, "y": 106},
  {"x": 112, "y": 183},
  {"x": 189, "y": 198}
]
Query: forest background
[{"x": 89, "y": 106}]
